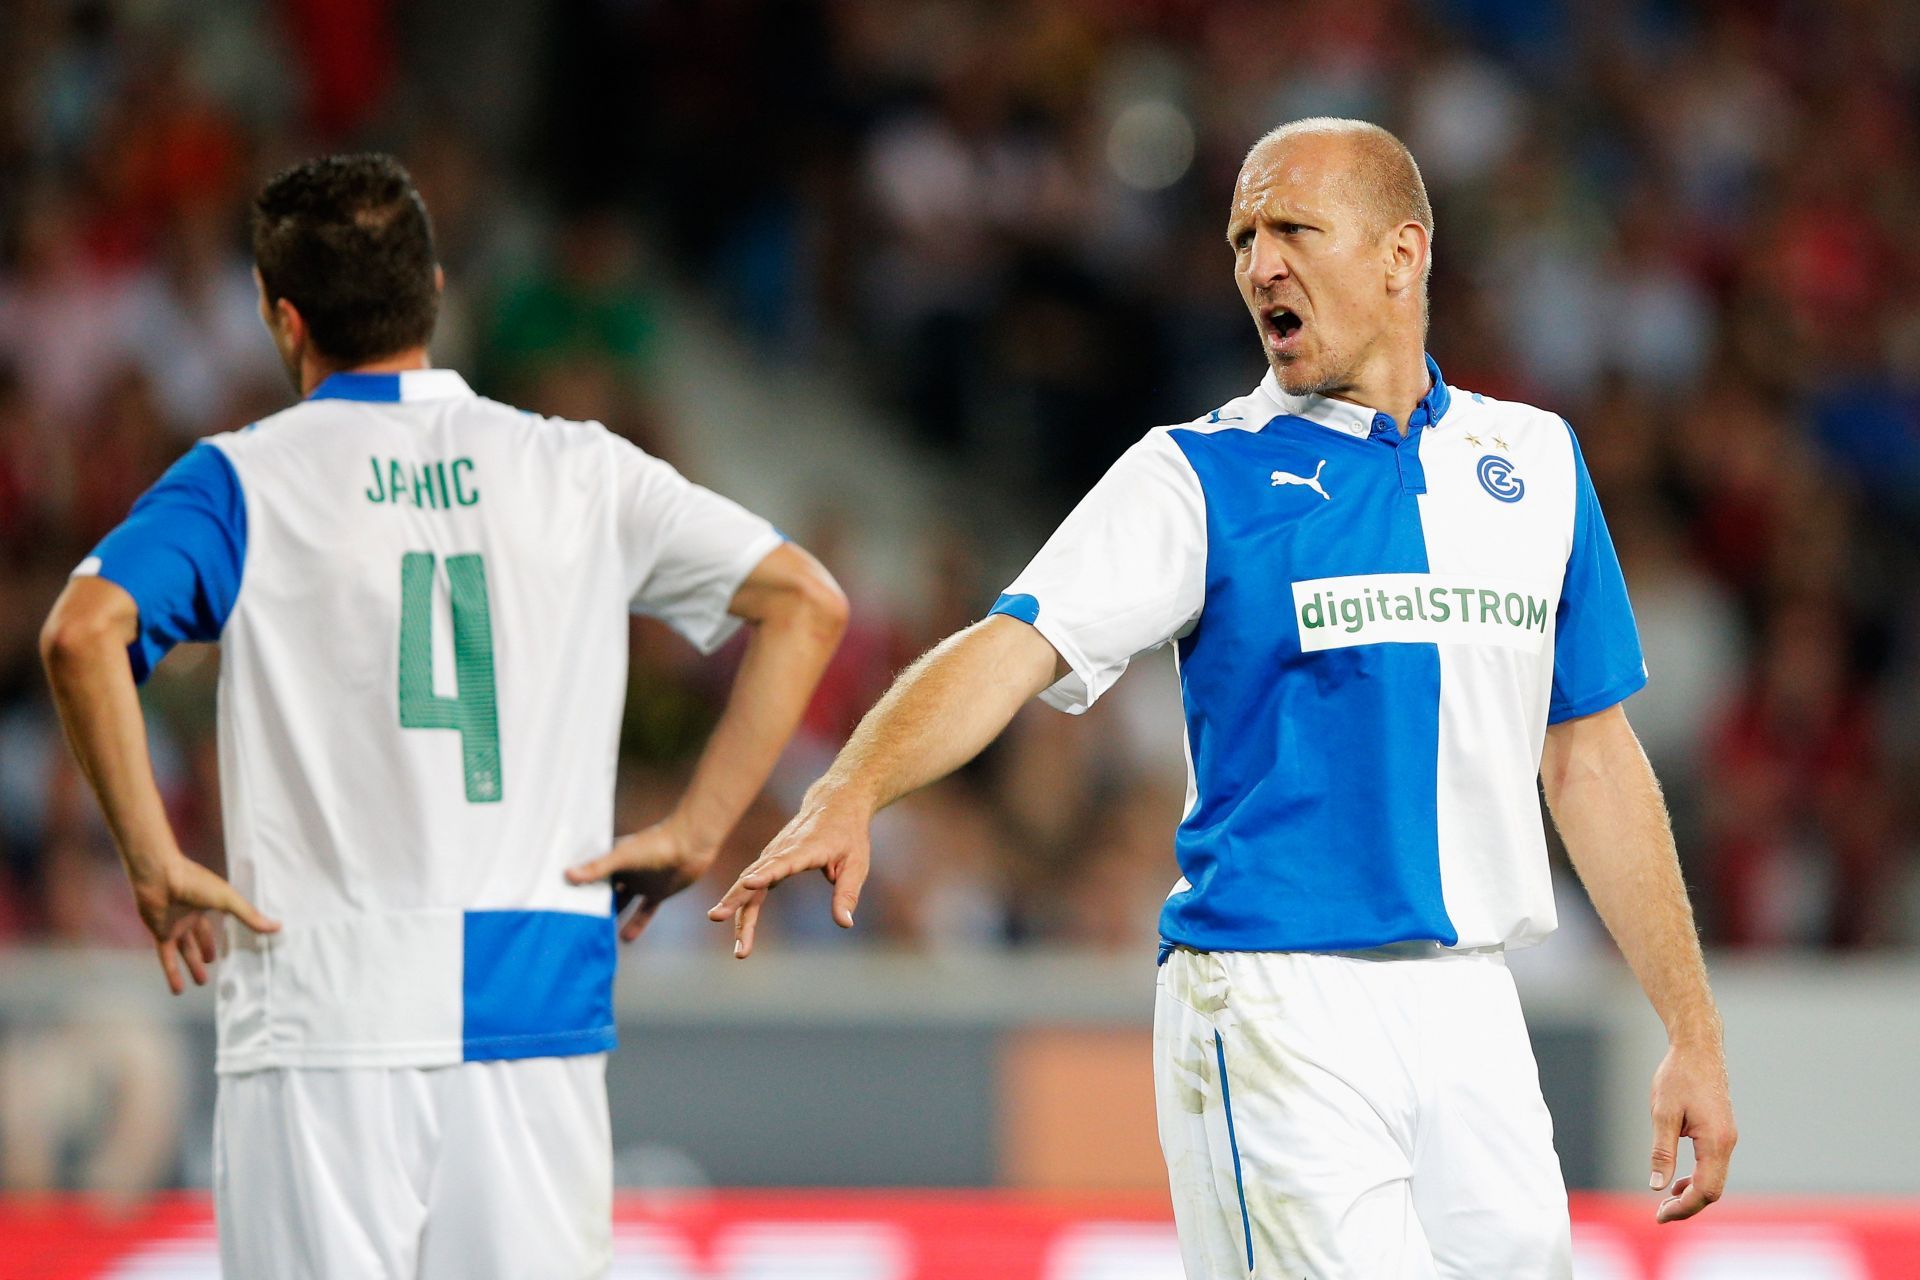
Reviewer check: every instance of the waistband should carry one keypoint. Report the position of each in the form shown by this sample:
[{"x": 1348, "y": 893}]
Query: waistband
[{"x": 1416, "y": 949}]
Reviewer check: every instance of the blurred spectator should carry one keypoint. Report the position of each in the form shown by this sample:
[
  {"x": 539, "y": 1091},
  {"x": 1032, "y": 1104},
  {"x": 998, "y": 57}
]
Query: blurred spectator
[
  {"x": 193, "y": 319},
  {"x": 120, "y": 450},
  {"x": 590, "y": 306},
  {"x": 1691, "y": 632},
  {"x": 29, "y": 491},
  {"x": 62, "y": 318},
  {"x": 1800, "y": 807}
]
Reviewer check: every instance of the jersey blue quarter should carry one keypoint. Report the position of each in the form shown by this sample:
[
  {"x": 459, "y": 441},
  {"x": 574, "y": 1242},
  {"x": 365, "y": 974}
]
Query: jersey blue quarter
[{"x": 1272, "y": 753}]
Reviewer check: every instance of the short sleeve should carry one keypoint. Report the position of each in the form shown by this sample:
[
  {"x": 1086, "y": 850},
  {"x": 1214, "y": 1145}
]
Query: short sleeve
[
  {"x": 1124, "y": 573},
  {"x": 179, "y": 554},
  {"x": 687, "y": 548},
  {"x": 1596, "y": 646}
]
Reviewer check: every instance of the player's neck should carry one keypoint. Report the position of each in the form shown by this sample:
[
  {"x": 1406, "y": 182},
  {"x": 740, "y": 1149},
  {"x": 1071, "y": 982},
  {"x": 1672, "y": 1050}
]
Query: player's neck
[
  {"x": 1392, "y": 384},
  {"x": 314, "y": 370}
]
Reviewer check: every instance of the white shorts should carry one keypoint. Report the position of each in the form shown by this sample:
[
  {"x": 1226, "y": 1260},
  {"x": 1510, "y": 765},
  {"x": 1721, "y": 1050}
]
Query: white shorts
[
  {"x": 485, "y": 1169},
  {"x": 1367, "y": 1116}
]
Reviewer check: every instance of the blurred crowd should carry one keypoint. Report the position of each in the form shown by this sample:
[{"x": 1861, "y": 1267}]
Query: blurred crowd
[{"x": 1000, "y": 225}]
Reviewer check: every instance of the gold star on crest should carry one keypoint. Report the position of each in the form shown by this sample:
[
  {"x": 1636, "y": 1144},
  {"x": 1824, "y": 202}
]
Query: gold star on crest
[
  {"x": 1501, "y": 443},
  {"x": 1472, "y": 438}
]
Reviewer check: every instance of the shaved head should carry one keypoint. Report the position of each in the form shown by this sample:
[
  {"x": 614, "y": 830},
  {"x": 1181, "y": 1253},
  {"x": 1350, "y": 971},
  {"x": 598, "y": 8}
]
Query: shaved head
[
  {"x": 1332, "y": 232},
  {"x": 1382, "y": 179}
]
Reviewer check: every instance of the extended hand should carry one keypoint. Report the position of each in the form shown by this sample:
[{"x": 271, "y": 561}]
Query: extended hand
[
  {"x": 826, "y": 835},
  {"x": 647, "y": 868},
  {"x": 1690, "y": 1101},
  {"x": 178, "y": 906}
]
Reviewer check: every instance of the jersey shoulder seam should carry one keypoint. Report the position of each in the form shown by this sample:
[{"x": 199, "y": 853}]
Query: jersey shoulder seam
[
  {"x": 1467, "y": 401},
  {"x": 224, "y": 444},
  {"x": 1219, "y": 420}
]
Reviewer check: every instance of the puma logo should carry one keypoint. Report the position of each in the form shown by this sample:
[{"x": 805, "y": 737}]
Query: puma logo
[{"x": 1313, "y": 483}]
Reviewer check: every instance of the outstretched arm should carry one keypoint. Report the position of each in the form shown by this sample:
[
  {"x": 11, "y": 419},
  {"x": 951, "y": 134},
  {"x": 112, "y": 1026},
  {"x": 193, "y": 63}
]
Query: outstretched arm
[
  {"x": 797, "y": 614},
  {"x": 1607, "y": 805},
  {"x": 84, "y": 646},
  {"x": 940, "y": 713}
]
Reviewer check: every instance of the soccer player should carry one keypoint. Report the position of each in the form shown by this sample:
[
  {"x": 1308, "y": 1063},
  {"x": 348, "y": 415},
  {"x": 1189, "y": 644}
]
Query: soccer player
[
  {"x": 1395, "y": 604},
  {"x": 421, "y": 599}
]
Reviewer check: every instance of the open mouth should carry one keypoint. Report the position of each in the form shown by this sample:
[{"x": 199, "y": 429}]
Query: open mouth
[{"x": 1282, "y": 328}]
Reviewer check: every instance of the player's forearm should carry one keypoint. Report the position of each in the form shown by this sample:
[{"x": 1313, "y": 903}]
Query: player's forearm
[
  {"x": 786, "y": 655},
  {"x": 86, "y": 663},
  {"x": 1607, "y": 806},
  {"x": 942, "y": 712}
]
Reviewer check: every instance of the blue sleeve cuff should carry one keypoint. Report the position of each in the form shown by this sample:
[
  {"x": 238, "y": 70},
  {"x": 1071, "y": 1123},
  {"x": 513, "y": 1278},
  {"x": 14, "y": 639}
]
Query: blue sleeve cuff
[
  {"x": 1023, "y": 607},
  {"x": 1612, "y": 695}
]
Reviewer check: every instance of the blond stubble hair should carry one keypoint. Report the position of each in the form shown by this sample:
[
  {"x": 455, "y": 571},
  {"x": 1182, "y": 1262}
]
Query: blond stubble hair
[{"x": 1383, "y": 182}]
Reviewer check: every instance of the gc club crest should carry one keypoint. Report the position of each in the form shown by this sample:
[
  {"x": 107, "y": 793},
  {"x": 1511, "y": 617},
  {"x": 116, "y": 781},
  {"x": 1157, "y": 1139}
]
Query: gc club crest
[{"x": 1497, "y": 478}]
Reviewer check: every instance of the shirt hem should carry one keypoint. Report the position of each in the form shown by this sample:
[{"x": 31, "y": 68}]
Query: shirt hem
[
  {"x": 557, "y": 1044},
  {"x": 725, "y": 625},
  {"x": 325, "y": 1057},
  {"x": 1328, "y": 946},
  {"x": 1612, "y": 696}
]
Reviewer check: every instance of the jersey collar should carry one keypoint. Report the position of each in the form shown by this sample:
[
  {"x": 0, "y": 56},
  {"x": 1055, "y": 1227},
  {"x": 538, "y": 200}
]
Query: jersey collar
[
  {"x": 393, "y": 388},
  {"x": 1357, "y": 419}
]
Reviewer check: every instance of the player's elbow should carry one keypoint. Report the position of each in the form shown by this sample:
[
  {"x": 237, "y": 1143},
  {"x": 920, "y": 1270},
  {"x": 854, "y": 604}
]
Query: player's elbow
[
  {"x": 69, "y": 641},
  {"x": 822, "y": 606},
  {"x": 81, "y": 630},
  {"x": 805, "y": 604},
  {"x": 792, "y": 594}
]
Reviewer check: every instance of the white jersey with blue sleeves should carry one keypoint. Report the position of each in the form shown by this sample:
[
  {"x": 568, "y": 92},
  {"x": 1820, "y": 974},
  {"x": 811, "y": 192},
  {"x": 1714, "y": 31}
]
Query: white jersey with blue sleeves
[
  {"x": 421, "y": 599},
  {"x": 1373, "y": 634}
]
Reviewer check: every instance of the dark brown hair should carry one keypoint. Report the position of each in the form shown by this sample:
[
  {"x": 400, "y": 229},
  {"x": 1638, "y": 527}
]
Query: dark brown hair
[{"x": 347, "y": 241}]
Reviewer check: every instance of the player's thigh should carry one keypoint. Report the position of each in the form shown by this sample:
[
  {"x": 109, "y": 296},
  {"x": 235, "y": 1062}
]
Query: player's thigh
[
  {"x": 525, "y": 1181},
  {"x": 1193, "y": 1130},
  {"x": 314, "y": 1176},
  {"x": 1275, "y": 1119},
  {"x": 1487, "y": 1182}
]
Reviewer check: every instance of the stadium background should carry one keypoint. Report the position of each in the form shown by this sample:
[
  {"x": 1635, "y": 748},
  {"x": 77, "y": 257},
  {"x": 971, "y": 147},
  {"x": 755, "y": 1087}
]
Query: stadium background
[{"x": 906, "y": 276}]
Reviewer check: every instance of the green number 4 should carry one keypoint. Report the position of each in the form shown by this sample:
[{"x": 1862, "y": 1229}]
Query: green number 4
[{"x": 473, "y": 710}]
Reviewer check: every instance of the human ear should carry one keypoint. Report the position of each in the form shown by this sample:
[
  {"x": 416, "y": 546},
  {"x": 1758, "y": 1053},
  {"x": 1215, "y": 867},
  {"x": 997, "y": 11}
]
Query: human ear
[
  {"x": 1407, "y": 249},
  {"x": 287, "y": 325}
]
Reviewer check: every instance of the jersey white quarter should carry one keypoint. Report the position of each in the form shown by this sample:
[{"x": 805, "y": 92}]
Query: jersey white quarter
[
  {"x": 421, "y": 600},
  {"x": 1373, "y": 632}
]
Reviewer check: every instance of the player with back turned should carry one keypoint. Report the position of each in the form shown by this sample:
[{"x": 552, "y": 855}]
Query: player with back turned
[
  {"x": 421, "y": 598},
  {"x": 1395, "y": 606}
]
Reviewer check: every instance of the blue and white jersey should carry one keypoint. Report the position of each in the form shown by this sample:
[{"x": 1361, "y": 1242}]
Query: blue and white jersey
[
  {"x": 1373, "y": 635},
  {"x": 421, "y": 599}
]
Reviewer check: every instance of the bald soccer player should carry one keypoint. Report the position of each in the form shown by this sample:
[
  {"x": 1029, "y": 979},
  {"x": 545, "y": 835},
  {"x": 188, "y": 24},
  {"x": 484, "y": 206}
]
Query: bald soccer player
[{"x": 1395, "y": 604}]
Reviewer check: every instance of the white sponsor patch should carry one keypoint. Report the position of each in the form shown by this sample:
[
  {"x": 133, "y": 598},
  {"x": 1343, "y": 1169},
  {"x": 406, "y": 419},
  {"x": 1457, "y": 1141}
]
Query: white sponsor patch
[{"x": 1420, "y": 608}]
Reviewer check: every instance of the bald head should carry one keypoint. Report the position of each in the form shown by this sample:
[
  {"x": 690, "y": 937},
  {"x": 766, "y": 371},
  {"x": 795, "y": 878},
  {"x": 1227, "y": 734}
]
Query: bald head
[
  {"x": 1380, "y": 176},
  {"x": 1332, "y": 234}
]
